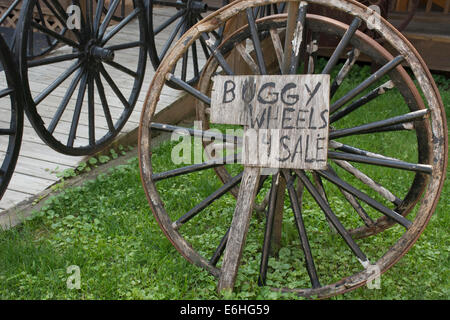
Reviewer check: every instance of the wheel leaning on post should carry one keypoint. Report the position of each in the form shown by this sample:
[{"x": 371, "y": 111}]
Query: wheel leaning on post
[
  {"x": 94, "y": 78},
  {"x": 11, "y": 124},
  {"x": 348, "y": 194}
]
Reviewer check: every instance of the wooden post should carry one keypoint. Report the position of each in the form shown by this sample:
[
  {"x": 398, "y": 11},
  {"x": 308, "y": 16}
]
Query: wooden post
[{"x": 239, "y": 228}]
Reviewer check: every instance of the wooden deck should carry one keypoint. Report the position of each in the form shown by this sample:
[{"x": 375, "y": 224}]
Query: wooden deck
[{"x": 38, "y": 164}]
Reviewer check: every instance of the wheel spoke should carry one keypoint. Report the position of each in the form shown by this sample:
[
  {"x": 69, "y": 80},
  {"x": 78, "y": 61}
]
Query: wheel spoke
[
  {"x": 171, "y": 39},
  {"x": 217, "y": 136},
  {"x": 397, "y": 164},
  {"x": 362, "y": 196},
  {"x": 7, "y": 132},
  {"x": 189, "y": 89},
  {"x": 120, "y": 26},
  {"x": 366, "y": 83},
  {"x": 54, "y": 34},
  {"x": 385, "y": 193},
  {"x": 112, "y": 8},
  {"x": 355, "y": 204},
  {"x": 57, "y": 82},
  {"x": 64, "y": 102},
  {"x": 125, "y": 46},
  {"x": 171, "y": 20},
  {"x": 295, "y": 204},
  {"x": 220, "y": 249},
  {"x": 77, "y": 112},
  {"x": 114, "y": 87},
  {"x": 122, "y": 68},
  {"x": 56, "y": 59},
  {"x": 268, "y": 231},
  {"x": 106, "y": 111},
  {"x": 362, "y": 101},
  {"x": 299, "y": 37},
  {"x": 312, "y": 50},
  {"x": 98, "y": 15},
  {"x": 345, "y": 41},
  {"x": 91, "y": 110},
  {"x": 353, "y": 56},
  {"x": 331, "y": 216},
  {"x": 216, "y": 53},
  {"x": 6, "y": 92},
  {"x": 206, "y": 202},
  {"x": 195, "y": 168},
  {"x": 353, "y": 150},
  {"x": 256, "y": 42},
  {"x": 374, "y": 126},
  {"x": 276, "y": 41}
]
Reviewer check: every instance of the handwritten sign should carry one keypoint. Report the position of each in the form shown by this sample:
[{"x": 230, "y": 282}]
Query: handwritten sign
[{"x": 285, "y": 118}]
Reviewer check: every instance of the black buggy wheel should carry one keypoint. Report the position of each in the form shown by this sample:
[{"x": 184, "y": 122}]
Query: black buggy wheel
[
  {"x": 355, "y": 194},
  {"x": 11, "y": 120},
  {"x": 178, "y": 17},
  {"x": 79, "y": 98}
]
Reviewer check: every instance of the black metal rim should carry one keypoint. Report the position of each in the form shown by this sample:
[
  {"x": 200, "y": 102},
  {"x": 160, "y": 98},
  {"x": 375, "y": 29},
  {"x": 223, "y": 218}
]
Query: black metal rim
[{"x": 14, "y": 132}]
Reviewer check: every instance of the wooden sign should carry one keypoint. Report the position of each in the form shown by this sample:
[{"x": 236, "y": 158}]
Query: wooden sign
[{"x": 285, "y": 118}]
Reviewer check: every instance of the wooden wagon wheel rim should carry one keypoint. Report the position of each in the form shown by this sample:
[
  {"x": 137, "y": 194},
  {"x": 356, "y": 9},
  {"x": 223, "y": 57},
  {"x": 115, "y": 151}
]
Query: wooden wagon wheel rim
[
  {"x": 86, "y": 63},
  {"x": 437, "y": 120},
  {"x": 10, "y": 96},
  {"x": 401, "y": 81}
]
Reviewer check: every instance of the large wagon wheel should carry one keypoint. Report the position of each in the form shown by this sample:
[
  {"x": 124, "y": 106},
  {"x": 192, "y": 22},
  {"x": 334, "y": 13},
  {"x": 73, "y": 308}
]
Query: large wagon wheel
[
  {"x": 355, "y": 200},
  {"x": 11, "y": 123},
  {"x": 94, "y": 79}
]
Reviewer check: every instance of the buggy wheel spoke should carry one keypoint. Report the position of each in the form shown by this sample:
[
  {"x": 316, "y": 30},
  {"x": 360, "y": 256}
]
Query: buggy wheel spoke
[
  {"x": 268, "y": 231},
  {"x": 216, "y": 53},
  {"x": 206, "y": 202},
  {"x": 104, "y": 101},
  {"x": 295, "y": 204},
  {"x": 64, "y": 102},
  {"x": 56, "y": 59},
  {"x": 353, "y": 56},
  {"x": 276, "y": 41},
  {"x": 220, "y": 249},
  {"x": 385, "y": 193},
  {"x": 330, "y": 214},
  {"x": 122, "y": 68},
  {"x": 342, "y": 45},
  {"x": 195, "y": 168},
  {"x": 6, "y": 92},
  {"x": 362, "y": 101},
  {"x": 112, "y": 8},
  {"x": 256, "y": 42},
  {"x": 54, "y": 34},
  {"x": 120, "y": 26},
  {"x": 77, "y": 112},
  {"x": 98, "y": 16},
  {"x": 57, "y": 82},
  {"x": 379, "y": 125},
  {"x": 91, "y": 109},
  {"x": 390, "y": 163},
  {"x": 366, "y": 83},
  {"x": 114, "y": 87},
  {"x": 169, "y": 21},
  {"x": 124, "y": 46},
  {"x": 362, "y": 196},
  {"x": 299, "y": 38},
  {"x": 189, "y": 89},
  {"x": 312, "y": 49},
  {"x": 171, "y": 39}
]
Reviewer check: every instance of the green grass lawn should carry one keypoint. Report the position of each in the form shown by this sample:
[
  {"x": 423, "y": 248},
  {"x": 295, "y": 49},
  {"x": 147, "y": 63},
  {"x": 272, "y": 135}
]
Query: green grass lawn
[{"x": 107, "y": 229}]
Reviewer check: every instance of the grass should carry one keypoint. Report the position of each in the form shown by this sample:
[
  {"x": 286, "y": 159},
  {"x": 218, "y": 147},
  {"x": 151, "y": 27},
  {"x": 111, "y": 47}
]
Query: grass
[{"x": 106, "y": 228}]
